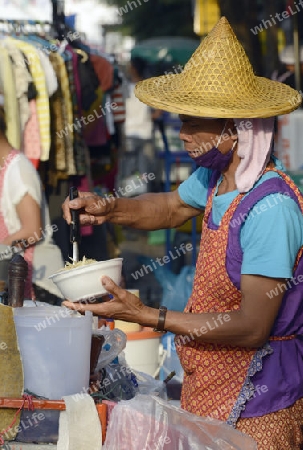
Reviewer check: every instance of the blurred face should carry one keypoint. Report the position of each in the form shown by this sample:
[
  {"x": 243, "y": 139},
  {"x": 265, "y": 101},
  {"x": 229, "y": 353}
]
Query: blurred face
[{"x": 200, "y": 135}]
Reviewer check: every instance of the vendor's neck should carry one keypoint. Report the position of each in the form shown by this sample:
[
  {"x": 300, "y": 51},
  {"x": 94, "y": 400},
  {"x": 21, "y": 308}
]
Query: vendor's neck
[{"x": 228, "y": 183}]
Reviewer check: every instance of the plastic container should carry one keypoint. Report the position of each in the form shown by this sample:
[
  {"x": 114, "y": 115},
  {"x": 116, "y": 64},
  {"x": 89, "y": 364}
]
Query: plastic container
[
  {"x": 55, "y": 346},
  {"x": 142, "y": 350}
]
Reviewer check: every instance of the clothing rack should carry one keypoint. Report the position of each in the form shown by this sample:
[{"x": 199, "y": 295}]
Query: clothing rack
[
  {"x": 21, "y": 26},
  {"x": 25, "y": 21},
  {"x": 58, "y": 22}
]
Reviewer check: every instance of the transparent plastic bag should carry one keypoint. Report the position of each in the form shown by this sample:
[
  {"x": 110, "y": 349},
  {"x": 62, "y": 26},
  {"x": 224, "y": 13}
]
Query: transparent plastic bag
[
  {"x": 147, "y": 385},
  {"x": 118, "y": 383},
  {"x": 150, "y": 423},
  {"x": 114, "y": 343},
  {"x": 176, "y": 288}
]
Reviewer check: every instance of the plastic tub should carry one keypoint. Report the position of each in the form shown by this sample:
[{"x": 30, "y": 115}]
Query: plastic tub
[
  {"x": 55, "y": 346},
  {"x": 142, "y": 350}
]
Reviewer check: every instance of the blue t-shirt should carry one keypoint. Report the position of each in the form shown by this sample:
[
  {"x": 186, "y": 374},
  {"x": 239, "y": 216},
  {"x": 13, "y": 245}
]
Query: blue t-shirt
[{"x": 271, "y": 235}]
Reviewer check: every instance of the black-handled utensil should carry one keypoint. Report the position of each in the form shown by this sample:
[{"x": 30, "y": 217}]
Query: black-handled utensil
[{"x": 74, "y": 226}]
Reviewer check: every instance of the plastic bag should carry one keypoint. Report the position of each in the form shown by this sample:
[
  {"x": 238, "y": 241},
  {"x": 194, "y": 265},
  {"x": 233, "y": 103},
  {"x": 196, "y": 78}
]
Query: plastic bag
[
  {"x": 147, "y": 385},
  {"x": 114, "y": 343},
  {"x": 176, "y": 288},
  {"x": 118, "y": 383},
  {"x": 150, "y": 423}
]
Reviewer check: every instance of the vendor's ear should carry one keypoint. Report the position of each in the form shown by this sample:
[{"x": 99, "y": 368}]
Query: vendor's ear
[
  {"x": 234, "y": 137},
  {"x": 232, "y": 129}
]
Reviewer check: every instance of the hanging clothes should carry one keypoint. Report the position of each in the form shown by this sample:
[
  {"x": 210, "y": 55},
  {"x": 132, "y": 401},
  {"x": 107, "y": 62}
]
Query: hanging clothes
[
  {"x": 63, "y": 118},
  {"x": 22, "y": 79},
  {"x": 42, "y": 99},
  {"x": 31, "y": 136},
  {"x": 104, "y": 71},
  {"x": 80, "y": 148},
  {"x": 58, "y": 101},
  {"x": 7, "y": 86},
  {"x": 50, "y": 76}
]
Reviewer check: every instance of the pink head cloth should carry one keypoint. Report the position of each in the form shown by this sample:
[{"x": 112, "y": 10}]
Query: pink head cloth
[{"x": 254, "y": 149}]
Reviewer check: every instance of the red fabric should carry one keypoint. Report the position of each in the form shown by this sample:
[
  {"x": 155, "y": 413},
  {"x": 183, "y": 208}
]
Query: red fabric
[
  {"x": 32, "y": 141},
  {"x": 104, "y": 71},
  {"x": 213, "y": 374},
  {"x": 281, "y": 430},
  {"x": 119, "y": 111}
]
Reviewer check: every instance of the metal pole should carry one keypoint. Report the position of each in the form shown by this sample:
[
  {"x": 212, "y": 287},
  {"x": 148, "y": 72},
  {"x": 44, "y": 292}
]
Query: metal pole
[{"x": 297, "y": 51}]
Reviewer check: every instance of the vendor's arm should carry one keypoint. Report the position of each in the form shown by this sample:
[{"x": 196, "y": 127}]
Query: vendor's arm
[
  {"x": 145, "y": 212},
  {"x": 29, "y": 215},
  {"x": 148, "y": 211},
  {"x": 270, "y": 242},
  {"x": 248, "y": 327},
  {"x": 22, "y": 193}
]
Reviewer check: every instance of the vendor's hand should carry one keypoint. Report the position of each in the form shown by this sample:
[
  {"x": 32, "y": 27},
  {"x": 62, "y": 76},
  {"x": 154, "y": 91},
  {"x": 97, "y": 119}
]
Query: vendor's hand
[
  {"x": 123, "y": 306},
  {"x": 93, "y": 208}
]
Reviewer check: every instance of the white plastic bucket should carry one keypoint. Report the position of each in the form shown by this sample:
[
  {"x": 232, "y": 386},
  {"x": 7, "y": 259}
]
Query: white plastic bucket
[
  {"x": 55, "y": 350},
  {"x": 142, "y": 350}
]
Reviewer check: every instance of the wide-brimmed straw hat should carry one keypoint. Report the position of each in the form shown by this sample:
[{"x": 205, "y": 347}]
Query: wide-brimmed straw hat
[{"x": 218, "y": 81}]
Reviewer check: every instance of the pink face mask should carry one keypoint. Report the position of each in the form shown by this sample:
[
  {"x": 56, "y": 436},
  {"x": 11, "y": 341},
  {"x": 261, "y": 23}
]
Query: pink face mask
[{"x": 214, "y": 159}]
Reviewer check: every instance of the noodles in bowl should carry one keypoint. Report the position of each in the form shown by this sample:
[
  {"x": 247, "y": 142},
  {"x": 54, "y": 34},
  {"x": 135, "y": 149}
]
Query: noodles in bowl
[
  {"x": 81, "y": 263},
  {"x": 82, "y": 280}
]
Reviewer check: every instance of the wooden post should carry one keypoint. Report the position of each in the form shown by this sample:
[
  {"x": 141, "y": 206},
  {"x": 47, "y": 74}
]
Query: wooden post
[{"x": 17, "y": 273}]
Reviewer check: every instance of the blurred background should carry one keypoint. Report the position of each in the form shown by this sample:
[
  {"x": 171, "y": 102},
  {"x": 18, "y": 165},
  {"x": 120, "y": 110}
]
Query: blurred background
[{"x": 117, "y": 26}]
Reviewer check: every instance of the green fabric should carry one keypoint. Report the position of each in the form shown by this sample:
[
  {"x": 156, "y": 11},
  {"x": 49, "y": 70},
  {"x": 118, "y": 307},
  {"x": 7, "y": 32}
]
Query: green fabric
[{"x": 169, "y": 49}]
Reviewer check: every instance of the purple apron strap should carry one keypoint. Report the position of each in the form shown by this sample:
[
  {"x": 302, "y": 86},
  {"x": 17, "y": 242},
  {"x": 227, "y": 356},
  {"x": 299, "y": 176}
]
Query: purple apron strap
[{"x": 234, "y": 250}]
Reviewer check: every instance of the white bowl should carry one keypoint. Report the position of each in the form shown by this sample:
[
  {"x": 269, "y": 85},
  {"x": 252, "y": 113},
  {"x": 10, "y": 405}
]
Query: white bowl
[{"x": 84, "y": 283}]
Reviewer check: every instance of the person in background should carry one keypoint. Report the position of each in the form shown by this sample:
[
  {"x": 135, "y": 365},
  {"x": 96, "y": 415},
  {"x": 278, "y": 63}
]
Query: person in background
[
  {"x": 24, "y": 221},
  {"x": 138, "y": 69},
  {"x": 240, "y": 337},
  {"x": 139, "y": 152},
  {"x": 286, "y": 72}
]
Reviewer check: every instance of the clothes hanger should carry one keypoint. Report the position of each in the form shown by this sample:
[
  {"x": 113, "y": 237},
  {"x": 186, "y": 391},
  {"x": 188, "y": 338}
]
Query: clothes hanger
[{"x": 83, "y": 54}]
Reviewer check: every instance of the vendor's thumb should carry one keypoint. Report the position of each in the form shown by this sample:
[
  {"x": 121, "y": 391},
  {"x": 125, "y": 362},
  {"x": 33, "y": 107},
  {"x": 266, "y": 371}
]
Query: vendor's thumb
[{"x": 110, "y": 286}]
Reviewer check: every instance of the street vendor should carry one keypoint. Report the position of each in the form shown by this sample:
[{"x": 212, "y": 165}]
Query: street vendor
[{"x": 240, "y": 338}]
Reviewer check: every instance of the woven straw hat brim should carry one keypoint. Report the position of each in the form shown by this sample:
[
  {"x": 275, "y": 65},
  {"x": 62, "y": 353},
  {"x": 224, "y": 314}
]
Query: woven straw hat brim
[
  {"x": 268, "y": 98},
  {"x": 218, "y": 81}
]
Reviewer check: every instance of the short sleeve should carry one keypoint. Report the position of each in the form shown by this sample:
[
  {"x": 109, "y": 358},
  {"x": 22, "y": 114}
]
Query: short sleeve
[
  {"x": 22, "y": 178},
  {"x": 193, "y": 191},
  {"x": 271, "y": 237}
]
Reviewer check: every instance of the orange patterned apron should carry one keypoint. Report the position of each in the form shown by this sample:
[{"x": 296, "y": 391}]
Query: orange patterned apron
[{"x": 213, "y": 373}]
